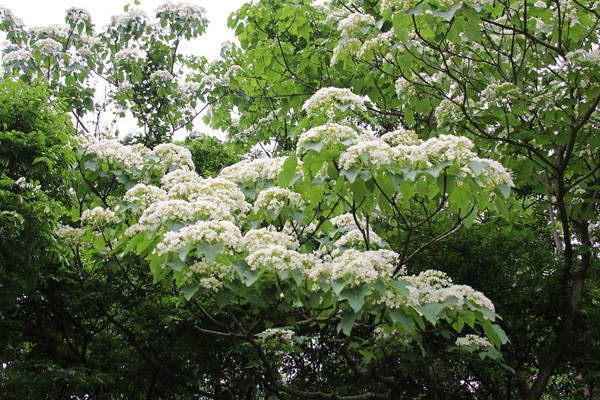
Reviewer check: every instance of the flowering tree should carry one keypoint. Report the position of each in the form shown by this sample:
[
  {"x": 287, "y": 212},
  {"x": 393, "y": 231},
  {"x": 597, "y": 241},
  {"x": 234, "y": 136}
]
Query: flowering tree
[
  {"x": 300, "y": 260},
  {"x": 515, "y": 77},
  {"x": 132, "y": 68},
  {"x": 385, "y": 125}
]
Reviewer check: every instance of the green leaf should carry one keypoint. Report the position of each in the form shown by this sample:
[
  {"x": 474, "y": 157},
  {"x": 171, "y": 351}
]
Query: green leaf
[
  {"x": 247, "y": 275},
  {"x": 478, "y": 166},
  {"x": 448, "y": 15},
  {"x": 289, "y": 170},
  {"x": 399, "y": 316},
  {"x": 339, "y": 284},
  {"x": 210, "y": 250},
  {"x": 99, "y": 243},
  {"x": 350, "y": 174},
  {"x": 189, "y": 291},
  {"x": 505, "y": 190},
  {"x": 401, "y": 286},
  {"x": 431, "y": 311},
  {"x": 313, "y": 146},
  {"x": 356, "y": 296},
  {"x": 347, "y": 322}
]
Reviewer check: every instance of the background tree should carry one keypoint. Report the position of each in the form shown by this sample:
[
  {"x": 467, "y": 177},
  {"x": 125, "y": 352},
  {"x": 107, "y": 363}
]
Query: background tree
[{"x": 134, "y": 68}]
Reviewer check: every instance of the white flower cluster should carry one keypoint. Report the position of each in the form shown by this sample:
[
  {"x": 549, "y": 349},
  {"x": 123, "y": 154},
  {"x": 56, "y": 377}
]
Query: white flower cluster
[
  {"x": 126, "y": 55},
  {"x": 254, "y": 170},
  {"x": 99, "y": 216},
  {"x": 78, "y": 14},
  {"x": 447, "y": 112},
  {"x": 444, "y": 147},
  {"x": 393, "y": 338},
  {"x": 398, "y": 5},
  {"x": 19, "y": 56},
  {"x": 187, "y": 89},
  {"x": 133, "y": 16},
  {"x": 359, "y": 266},
  {"x": 404, "y": 87},
  {"x": 274, "y": 199},
  {"x": 71, "y": 236},
  {"x": 499, "y": 95},
  {"x": 183, "y": 11},
  {"x": 145, "y": 195},
  {"x": 355, "y": 22},
  {"x": 275, "y": 257},
  {"x": 348, "y": 45},
  {"x": 379, "y": 43},
  {"x": 180, "y": 176},
  {"x": 113, "y": 151},
  {"x": 173, "y": 157},
  {"x": 208, "y": 275},
  {"x": 495, "y": 173},
  {"x": 285, "y": 335},
  {"x": 329, "y": 135},
  {"x": 472, "y": 340},
  {"x": 371, "y": 152},
  {"x": 55, "y": 30},
  {"x": 161, "y": 77},
  {"x": 158, "y": 213},
  {"x": 327, "y": 100},
  {"x": 433, "y": 286},
  {"x": 584, "y": 58},
  {"x": 217, "y": 190},
  {"x": 256, "y": 239},
  {"x": 211, "y": 232},
  {"x": 401, "y": 137},
  {"x": 48, "y": 47}
]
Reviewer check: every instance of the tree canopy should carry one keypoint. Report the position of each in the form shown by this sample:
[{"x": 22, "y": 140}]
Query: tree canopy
[{"x": 415, "y": 212}]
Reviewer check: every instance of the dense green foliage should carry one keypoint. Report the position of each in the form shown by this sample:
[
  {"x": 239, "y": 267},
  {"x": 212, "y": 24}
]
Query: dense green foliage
[{"x": 393, "y": 116}]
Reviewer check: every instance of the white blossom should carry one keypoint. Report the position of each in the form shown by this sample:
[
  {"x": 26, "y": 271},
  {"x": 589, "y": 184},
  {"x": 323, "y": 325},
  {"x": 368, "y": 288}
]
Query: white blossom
[
  {"x": 355, "y": 22},
  {"x": 275, "y": 257},
  {"x": 20, "y": 55},
  {"x": 226, "y": 194},
  {"x": 447, "y": 112},
  {"x": 208, "y": 275},
  {"x": 172, "y": 157},
  {"x": 254, "y": 170},
  {"x": 162, "y": 76},
  {"x": 329, "y": 135},
  {"x": 359, "y": 266},
  {"x": 404, "y": 87},
  {"x": 274, "y": 199},
  {"x": 55, "y": 30},
  {"x": 256, "y": 239},
  {"x": 374, "y": 152},
  {"x": 183, "y": 11},
  {"x": 325, "y": 100},
  {"x": 126, "y": 55},
  {"x": 48, "y": 46},
  {"x": 156, "y": 214},
  {"x": 78, "y": 14},
  {"x": 212, "y": 232},
  {"x": 285, "y": 335},
  {"x": 472, "y": 340},
  {"x": 69, "y": 235},
  {"x": 499, "y": 95},
  {"x": 145, "y": 195},
  {"x": 179, "y": 176},
  {"x": 401, "y": 137},
  {"x": 99, "y": 216}
]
